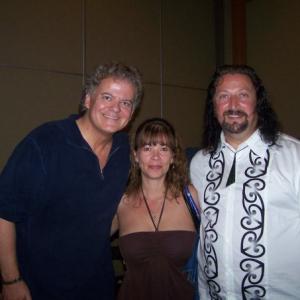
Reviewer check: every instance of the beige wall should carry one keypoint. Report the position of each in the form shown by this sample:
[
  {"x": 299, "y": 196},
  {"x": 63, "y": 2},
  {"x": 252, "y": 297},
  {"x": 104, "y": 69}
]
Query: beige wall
[
  {"x": 42, "y": 58},
  {"x": 273, "y": 49}
]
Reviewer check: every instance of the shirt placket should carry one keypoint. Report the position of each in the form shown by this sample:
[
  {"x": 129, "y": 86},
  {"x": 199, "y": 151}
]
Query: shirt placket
[{"x": 230, "y": 205}]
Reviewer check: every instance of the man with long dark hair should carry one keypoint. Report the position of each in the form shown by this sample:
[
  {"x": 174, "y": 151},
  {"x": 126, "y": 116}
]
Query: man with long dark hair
[
  {"x": 248, "y": 179},
  {"x": 60, "y": 190}
]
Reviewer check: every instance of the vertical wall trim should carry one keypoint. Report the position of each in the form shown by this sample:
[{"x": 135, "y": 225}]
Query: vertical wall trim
[
  {"x": 219, "y": 31},
  {"x": 238, "y": 15},
  {"x": 161, "y": 59},
  {"x": 83, "y": 40}
]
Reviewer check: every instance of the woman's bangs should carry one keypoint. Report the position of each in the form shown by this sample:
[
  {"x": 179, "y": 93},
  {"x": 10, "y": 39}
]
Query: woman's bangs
[{"x": 154, "y": 136}]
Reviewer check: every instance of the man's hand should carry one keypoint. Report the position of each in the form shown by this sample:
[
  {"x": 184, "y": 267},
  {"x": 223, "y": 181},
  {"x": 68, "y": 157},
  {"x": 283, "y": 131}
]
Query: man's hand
[{"x": 16, "y": 291}]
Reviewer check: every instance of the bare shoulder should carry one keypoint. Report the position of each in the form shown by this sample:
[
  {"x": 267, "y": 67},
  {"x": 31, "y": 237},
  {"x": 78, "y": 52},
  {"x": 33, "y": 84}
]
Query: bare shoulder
[
  {"x": 192, "y": 190},
  {"x": 121, "y": 212},
  {"x": 123, "y": 202},
  {"x": 127, "y": 202}
]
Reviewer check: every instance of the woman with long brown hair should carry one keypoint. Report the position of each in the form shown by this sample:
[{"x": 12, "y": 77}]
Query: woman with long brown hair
[{"x": 156, "y": 229}]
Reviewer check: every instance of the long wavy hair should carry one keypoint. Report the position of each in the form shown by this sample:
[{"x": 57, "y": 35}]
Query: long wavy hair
[
  {"x": 155, "y": 131},
  {"x": 267, "y": 119}
]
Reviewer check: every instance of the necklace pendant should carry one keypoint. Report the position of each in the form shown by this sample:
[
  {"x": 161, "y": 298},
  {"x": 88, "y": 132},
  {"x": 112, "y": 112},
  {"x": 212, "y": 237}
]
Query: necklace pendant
[{"x": 154, "y": 216}]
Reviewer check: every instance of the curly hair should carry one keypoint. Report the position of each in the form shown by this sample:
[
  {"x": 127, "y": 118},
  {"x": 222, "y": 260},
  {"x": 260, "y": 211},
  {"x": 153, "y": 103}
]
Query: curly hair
[
  {"x": 267, "y": 119},
  {"x": 153, "y": 131},
  {"x": 115, "y": 70}
]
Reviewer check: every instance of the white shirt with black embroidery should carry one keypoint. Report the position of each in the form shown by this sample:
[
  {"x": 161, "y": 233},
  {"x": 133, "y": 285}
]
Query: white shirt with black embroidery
[{"x": 250, "y": 234}]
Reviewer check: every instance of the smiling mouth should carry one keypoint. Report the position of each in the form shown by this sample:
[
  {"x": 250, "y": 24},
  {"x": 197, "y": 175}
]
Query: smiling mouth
[
  {"x": 233, "y": 117},
  {"x": 110, "y": 117},
  {"x": 155, "y": 167},
  {"x": 235, "y": 114}
]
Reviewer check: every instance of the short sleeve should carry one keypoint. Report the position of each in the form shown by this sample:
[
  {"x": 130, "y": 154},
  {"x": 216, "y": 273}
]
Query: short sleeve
[
  {"x": 20, "y": 181},
  {"x": 196, "y": 171}
]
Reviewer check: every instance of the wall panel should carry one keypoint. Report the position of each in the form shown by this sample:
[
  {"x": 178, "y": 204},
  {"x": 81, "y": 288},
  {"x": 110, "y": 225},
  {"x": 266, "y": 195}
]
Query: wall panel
[
  {"x": 46, "y": 46},
  {"x": 41, "y": 34},
  {"x": 29, "y": 98},
  {"x": 273, "y": 49}
]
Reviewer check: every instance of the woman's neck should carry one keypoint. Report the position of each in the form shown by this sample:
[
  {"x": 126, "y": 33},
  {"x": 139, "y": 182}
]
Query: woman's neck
[{"x": 153, "y": 188}]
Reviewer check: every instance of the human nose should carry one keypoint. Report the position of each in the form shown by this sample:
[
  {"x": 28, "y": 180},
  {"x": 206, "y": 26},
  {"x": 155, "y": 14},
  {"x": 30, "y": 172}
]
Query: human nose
[
  {"x": 116, "y": 105},
  {"x": 233, "y": 102},
  {"x": 155, "y": 154}
]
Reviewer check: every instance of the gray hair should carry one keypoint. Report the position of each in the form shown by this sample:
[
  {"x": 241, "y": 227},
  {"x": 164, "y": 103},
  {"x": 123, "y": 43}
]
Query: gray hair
[{"x": 116, "y": 70}]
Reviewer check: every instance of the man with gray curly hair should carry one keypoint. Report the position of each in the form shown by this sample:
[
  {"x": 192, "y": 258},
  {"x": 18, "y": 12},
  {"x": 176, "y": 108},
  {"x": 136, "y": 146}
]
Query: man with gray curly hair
[{"x": 59, "y": 192}]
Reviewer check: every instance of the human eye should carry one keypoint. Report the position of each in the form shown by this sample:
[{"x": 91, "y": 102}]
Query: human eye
[
  {"x": 106, "y": 97},
  {"x": 127, "y": 104},
  {"x": 244, "y": 95},
  {"x": 222, "y": 97},
  {"x": 146, "y": 148},
  {"x": 164, "y": 148}
]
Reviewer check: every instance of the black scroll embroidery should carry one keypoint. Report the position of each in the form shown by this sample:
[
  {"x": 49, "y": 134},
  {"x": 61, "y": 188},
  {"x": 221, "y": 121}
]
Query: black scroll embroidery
[
  {"x": 211, "y": 198},
  {"x": 253, "y": 225}
]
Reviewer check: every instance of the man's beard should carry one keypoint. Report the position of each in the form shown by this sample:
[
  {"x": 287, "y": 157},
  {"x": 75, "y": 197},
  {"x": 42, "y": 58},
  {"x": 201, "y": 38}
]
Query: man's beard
[{"x": 235, "y": 127}]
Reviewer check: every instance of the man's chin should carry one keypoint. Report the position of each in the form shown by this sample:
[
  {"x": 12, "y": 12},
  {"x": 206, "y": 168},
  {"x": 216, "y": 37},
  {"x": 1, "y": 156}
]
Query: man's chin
[{"x": 234, "y": 128}]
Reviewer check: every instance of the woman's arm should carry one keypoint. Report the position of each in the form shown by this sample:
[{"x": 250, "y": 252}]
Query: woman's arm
[{"x": 114, "y": 225}]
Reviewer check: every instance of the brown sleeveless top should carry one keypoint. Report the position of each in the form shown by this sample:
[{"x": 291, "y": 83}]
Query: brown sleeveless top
[{"x": 154, "y": 261}]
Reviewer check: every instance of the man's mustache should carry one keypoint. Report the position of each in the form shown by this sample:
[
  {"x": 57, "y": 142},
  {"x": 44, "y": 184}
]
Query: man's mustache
[{"x": 235, "y": 113}]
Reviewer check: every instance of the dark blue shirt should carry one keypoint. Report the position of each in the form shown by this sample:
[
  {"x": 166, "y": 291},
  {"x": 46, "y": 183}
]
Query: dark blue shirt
[{"x": 62, "y": 203}]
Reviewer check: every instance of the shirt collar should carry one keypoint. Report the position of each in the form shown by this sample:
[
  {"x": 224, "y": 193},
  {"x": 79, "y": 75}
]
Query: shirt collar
[
  {"x": 254, "y": 142},
  {"x": 72, "y": 132},
  {"x": 74, "y": 137}
]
